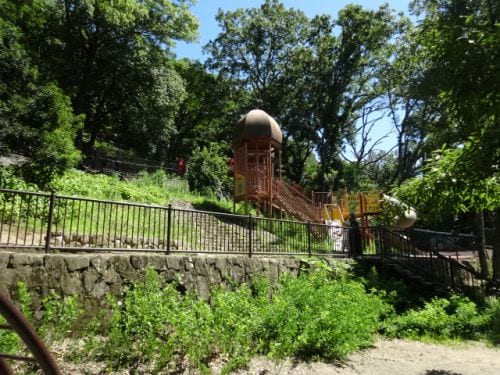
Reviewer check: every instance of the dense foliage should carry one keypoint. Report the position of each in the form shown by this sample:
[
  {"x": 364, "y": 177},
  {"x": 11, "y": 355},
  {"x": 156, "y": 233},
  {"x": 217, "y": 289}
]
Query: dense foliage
[
  {"x": 75, "y": 74},
  {"x": 459, "y": 41},
  {"x": 325, "y": 313},
  {"x": 208, "y": 172}
]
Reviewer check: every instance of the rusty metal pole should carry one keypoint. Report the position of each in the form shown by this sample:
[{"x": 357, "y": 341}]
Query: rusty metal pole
[{"x": 23, "y": 328}]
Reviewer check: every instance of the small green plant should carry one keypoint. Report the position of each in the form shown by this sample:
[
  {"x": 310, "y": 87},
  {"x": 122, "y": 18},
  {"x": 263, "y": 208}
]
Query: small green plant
[
  {"x": 317, "y": 316},
  {"x": 155, "y": 324},
  {"x": 493, "y": 321},
  {"x": 59, "y": 316},
  {"x": 9, "y": 180},
  {"x": 10, "y": 341}
]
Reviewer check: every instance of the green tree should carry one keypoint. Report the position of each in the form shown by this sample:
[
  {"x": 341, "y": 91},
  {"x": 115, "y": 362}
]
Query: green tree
[
  {"x": 342, "y": 75},
  {"x": 208, "y": 172},
  {"x": 314, "y": 76},
  {"x": 411, "y": 113},
  {"x": 112, "y": 59},
  {"x": 36, "y": 117},
  {"x": 208, "y": 112},
  {"x": 260, "y": 49},
  {"x": 256, "y": 49},
  {"x": 460, "y": 40}
]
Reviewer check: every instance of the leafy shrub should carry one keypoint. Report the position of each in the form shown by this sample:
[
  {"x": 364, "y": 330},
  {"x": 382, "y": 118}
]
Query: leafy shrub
[
  {"x": 493, "y": 318},
  {"x": 154, "y": 323},
  {"x": 440, "y": 319},
  {"x": 9, "y": 180},
  {"x": 9, "y": 340},
  {"x": 239, "y": 321},
  {"x": 207, "y": 171},
  {"x": 313, "y": 316},
  {"x": 59, "y": 316},
  {"x": 49, "y": 137}
]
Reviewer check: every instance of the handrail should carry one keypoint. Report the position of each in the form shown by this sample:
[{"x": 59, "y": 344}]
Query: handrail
[
  {"x": 297, "y": 204},
  {"x": 297, "y": 192},
  {"x": 400, "y": 249}
]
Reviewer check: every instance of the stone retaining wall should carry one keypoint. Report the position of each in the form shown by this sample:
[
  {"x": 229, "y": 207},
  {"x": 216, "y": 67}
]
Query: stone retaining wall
[{"x": 92, "y": 276}]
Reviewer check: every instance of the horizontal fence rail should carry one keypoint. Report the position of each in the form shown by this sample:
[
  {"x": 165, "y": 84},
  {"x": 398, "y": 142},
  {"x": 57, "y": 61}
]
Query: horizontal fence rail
[
  {"x": 50, "y": 221},
  {"x": 455, "y": 245}
]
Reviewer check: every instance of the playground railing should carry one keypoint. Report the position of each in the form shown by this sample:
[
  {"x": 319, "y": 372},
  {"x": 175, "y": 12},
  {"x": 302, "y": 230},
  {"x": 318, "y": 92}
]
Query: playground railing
[{"x": 296, "y": 203}]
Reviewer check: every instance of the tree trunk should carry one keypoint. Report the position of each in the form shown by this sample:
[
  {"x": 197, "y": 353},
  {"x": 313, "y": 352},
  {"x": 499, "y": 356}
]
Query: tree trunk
[
  {"x": 483, "y": 262},
  {"x": 496, "y": 247}
]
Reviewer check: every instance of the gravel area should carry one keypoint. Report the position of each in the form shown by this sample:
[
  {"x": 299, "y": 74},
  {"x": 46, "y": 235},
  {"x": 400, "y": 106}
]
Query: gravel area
[
  {"x": 386, "y": 357},
  {"x": 396, "y": 357}
]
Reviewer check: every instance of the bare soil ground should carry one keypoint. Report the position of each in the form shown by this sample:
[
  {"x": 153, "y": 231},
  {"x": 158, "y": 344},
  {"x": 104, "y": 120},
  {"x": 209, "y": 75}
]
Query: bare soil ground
[
  {"x": 396, "y": 357},
  {"x": 387, "y": 357}
]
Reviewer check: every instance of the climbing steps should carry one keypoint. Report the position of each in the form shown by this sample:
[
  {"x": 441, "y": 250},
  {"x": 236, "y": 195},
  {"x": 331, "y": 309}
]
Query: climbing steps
[{"x": 292, "y": 201}]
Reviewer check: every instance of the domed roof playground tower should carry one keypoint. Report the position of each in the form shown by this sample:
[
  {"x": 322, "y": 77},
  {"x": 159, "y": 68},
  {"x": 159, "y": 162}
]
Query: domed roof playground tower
[{"x": 257, "y": 159}]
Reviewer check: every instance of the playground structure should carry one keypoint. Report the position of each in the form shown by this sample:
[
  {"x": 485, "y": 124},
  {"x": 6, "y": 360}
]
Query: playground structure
[{"x": 257, "y": 178}]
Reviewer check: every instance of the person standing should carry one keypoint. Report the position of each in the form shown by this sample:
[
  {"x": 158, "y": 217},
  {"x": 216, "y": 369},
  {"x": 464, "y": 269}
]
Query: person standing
[{"x": 354, "y": 236}]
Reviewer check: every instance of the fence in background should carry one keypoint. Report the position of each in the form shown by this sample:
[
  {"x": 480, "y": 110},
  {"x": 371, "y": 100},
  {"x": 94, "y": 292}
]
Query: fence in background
[
  {"x": 427, "y": 262},
  {"x": 455, "y": 245},
  {"x": 102, "y": 162}
]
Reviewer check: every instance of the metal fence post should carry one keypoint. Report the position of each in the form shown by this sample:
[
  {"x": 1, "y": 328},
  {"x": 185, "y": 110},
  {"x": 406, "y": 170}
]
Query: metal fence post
[
  {"x": 309, "y": 237},
  {"x": 50, "y": 220},
  {"x": 431, "y": 265},
  {"x": 249, "y": 235},
  {"x": 381, "y": 236},
  {"x": 452, "y": 274},
  {"x": 169, "y": 221}
]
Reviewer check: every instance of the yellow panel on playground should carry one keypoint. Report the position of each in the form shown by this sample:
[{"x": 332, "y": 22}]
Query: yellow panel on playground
[{"x": 362, "y": 204}]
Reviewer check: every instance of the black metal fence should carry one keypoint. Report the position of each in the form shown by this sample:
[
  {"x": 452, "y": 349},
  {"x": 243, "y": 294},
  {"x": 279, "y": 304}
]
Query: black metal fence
[
  {"x": 426, "y": 261},
  {"x": 454, "y": 245},
  {"x": 102, "y": 162},
  {"x": 50, "y": 221}
]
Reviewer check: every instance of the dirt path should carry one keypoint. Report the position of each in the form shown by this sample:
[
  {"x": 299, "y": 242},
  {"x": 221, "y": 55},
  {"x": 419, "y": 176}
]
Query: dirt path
[
  {"x": 387, "y": 357},
  {"x": 396, "y": 357}
]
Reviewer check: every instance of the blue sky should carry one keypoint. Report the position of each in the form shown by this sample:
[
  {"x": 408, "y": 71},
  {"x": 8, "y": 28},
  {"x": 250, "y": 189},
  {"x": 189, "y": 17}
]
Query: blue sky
[{"x": 206, "y": 10}]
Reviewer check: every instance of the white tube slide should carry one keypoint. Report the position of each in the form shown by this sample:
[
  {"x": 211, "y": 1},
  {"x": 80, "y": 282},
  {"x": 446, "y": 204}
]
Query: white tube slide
[{"x": 409, "y": 215}]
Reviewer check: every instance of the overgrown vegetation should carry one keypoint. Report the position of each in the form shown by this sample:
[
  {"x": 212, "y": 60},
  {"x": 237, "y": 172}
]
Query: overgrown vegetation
[
  {"x": 148, "y": 188},
  {"x": 325, "y": 313},
  {"x": 208, "y": 171},
  {"x": 320, "y": 314}
]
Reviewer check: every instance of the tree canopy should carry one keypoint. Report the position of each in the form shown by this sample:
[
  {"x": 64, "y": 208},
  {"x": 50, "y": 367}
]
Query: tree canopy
[{"x": 78, "y": 74}]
